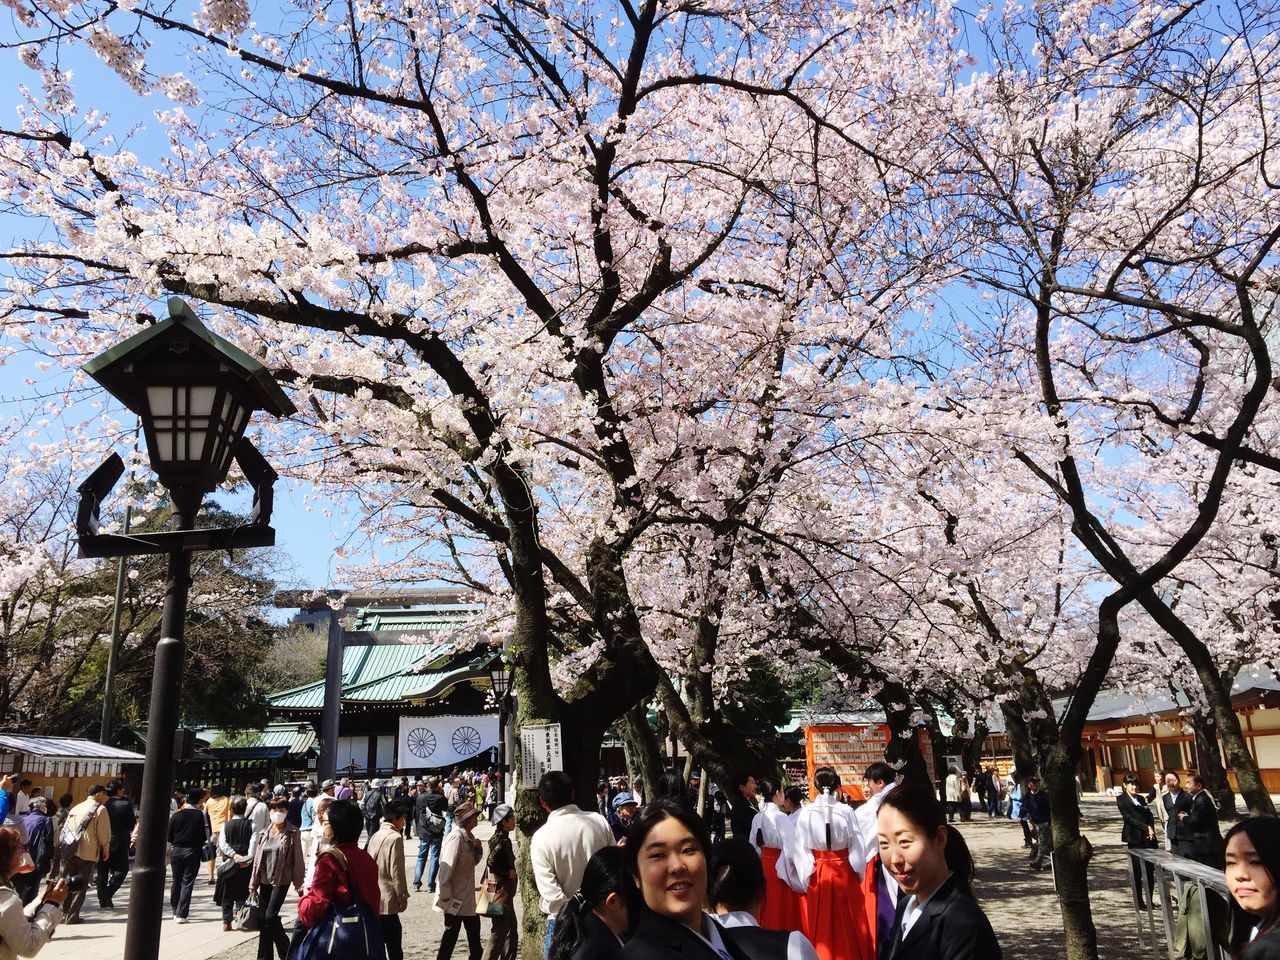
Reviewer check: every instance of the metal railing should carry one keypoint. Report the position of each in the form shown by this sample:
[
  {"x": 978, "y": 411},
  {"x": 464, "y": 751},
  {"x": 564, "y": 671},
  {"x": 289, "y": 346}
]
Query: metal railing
[{"x": 1190, "y": 879}]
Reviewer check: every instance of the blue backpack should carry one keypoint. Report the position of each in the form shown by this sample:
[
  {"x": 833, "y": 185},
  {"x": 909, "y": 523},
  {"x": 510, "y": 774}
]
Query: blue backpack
[{"x": 346, "y": 933}]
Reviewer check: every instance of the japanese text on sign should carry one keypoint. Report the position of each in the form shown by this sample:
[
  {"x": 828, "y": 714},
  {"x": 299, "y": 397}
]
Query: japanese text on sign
[{"x": 539, "y": 752}]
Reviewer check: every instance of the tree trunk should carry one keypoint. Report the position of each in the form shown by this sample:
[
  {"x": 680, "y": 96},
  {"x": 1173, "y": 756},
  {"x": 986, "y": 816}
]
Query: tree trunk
[
  {"x": 1209, "y": 758},
  {"x": 1019, "y": 731},
  {"x": 1217, "y": 691},
  {"x": 973, "y": 749},
  {"x": 715, "y": 745},
  {"x": 903, "y": 752},
  {"x": 938, "y": 774},
  {"x": 1071, "y": 851},
  {"x": 640, "y": 741}
]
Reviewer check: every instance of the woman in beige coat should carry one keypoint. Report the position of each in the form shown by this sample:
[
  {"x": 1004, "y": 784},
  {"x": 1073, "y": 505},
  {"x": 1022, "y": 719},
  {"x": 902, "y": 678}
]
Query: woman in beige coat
[{"x": 456, "y": 883}]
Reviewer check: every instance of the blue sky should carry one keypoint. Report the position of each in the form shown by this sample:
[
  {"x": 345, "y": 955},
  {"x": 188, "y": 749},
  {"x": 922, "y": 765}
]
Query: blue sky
[{"x": 307, "y": 538}]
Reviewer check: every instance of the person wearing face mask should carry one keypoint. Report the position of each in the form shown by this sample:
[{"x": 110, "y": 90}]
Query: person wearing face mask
[
  {"x": 597, "y": 920},
  {"x": 1253, "y": 863},
  {"x": 277, "y": 862},
  {"x": 937, "y": 917}
]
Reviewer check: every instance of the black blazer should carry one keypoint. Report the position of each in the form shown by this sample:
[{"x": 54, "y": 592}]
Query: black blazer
[
  {"x": 1178, "y": 828},
  {"x": 599, "y": 942},
  {"x": 1206, "y": 838},
  {"x": 661, "y": 938},
  {"x": 1137, "y": 817},
  {"x": 952, "y": 927},
  {"x": 1266, "y": 947}
]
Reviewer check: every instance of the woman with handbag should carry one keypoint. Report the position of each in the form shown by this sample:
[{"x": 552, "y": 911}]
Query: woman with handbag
[
  {"x": 234, "y": 863},
  {"x": 277, "y": 863},
  {"x": 498, "y": 889}
]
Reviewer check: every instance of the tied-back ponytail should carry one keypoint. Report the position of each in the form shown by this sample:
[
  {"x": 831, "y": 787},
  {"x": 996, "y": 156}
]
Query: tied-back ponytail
[
  {"x": 605, "y": 874},
  {"x": 924, "y": 810}
]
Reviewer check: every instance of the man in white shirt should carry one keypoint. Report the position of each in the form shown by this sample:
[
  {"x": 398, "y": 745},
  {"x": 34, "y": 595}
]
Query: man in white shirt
[
  {"x": 22, "y": 802},
  {"x": 561, "y": 847}
]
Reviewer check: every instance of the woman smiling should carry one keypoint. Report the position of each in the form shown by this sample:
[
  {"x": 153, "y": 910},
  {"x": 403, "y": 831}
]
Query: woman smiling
[
  {"x": 1253, "y": 861},
  {"x": 937, "y": 917},
  {"x": 667, "y": 861}
]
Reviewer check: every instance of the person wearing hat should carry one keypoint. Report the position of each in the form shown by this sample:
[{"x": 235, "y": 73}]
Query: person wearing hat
[
  {"x": 624, "y": 811},
  {"x": 455, "y": 883},
  {"x": 504, "y": 938}
]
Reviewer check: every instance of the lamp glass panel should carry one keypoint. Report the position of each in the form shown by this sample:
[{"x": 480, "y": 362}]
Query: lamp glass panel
[
  {"x": 195, "y": 442},
  {"x": 164, "y": 446},
  {"x": 202, "y": 400},
  {"x": 160, "y": 400}
]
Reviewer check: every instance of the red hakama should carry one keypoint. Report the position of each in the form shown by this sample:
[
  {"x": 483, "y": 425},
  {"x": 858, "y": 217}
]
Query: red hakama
[
  {"x": 869, "y": 900},
  {"x": 835, "y": 917},
  {"x": 782, "y": 909}
]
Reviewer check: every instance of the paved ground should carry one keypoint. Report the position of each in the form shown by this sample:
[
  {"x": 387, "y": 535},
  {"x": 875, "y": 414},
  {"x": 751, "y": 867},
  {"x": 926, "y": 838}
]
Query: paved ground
[{"x": 1019, "y": 901}]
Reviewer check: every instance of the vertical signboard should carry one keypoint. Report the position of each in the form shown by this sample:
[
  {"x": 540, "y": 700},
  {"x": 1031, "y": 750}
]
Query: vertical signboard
[{"x": 539, "y": 752}]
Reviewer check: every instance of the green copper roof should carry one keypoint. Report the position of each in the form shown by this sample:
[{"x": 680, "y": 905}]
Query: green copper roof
[
  {"x": 383, "y": 673},
  {"x": 270, "y": 396}
]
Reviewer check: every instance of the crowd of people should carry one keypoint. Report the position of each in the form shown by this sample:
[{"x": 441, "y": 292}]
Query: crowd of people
[
  {"x": 828, "y": 880},
  {"x": 831, "y": 879}
]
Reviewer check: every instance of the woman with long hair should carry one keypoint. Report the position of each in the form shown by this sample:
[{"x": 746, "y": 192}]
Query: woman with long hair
[
  {"x": 1253, "y": 863},
  {"x": 826, "y": 863},
  {"x": 771, "y": 835},
  {"x": 597, "y": 920},
  {"x": 933, "y": 868}
]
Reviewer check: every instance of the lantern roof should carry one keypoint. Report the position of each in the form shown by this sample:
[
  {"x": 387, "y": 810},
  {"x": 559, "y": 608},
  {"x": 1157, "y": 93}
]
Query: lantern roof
[{"x": 114, "y": 368}]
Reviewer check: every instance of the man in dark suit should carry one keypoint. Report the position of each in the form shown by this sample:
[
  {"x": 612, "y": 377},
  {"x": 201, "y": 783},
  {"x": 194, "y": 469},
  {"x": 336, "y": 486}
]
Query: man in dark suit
[
  {"x": 743, "y": 807},
  {"x": 1035, "y": 810},
  {"x": 1177, "y": 804},
  {"x": 1202, "y": 820}
]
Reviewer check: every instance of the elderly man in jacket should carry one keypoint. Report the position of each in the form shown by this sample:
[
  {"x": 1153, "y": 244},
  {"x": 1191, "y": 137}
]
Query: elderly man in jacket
[
  {"x": 456, "y": 883},
  {"x": 88, "y": 819},
  {"x": 386, "y": 847}
]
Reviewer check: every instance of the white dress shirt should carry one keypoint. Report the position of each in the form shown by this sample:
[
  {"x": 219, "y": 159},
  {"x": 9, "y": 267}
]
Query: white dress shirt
[
  {"x": 911, "y": 912},
  {"x": 798, "y": 945},
  {"x": 560, "y": 849},
  {"x": 775, "y": 829},
  {"x": 811, "y": 834},
  {"x": 866, "y": 815}
]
